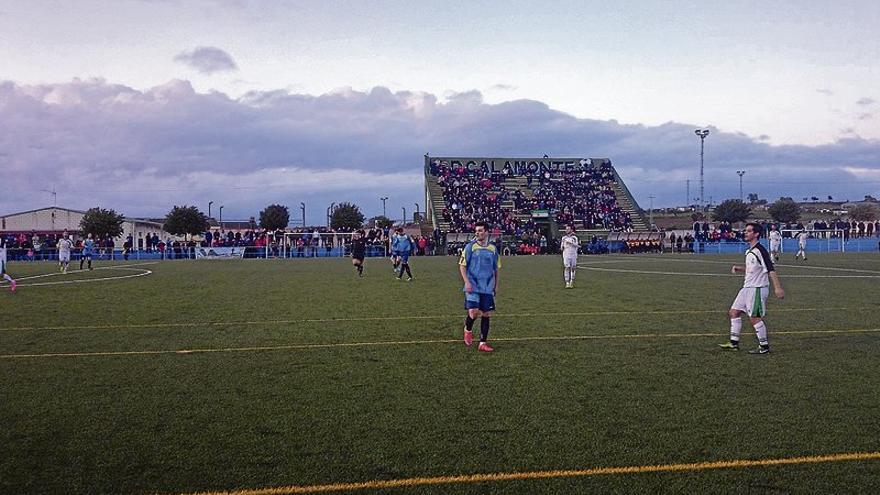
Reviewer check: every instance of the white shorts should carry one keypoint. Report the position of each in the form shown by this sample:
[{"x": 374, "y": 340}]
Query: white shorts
[
  {"x": 570, "y": 261},
  {"x": 752, "y": 300},
  {"x": 774, "y": 246},
  {"x": 64, "y": 257}
]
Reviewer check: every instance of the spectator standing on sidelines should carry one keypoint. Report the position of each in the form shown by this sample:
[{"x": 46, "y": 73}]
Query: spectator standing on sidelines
[{"x": 5, "y": 275}]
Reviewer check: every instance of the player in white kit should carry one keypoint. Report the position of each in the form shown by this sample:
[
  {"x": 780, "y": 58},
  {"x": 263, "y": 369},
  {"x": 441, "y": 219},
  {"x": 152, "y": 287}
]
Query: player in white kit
[
  {"x": 570, "y": 245},
  {"x": 752, "y": 298},
  {"x": 64, "y": 246},
  {"x": 3, "y": 273},
  {"x": 802, "y": 245},
  {"x": 775, "y": 243}
]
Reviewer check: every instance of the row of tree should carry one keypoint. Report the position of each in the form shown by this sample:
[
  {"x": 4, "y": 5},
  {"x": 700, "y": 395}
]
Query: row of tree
[
  {"x": 189, "y": 220},
  {"x": 784, "y": 210}
]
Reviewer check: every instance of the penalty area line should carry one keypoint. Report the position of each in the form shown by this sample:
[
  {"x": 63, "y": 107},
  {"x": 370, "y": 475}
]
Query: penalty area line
[
  {"x": 553, "y": 474},
  {"x": 387, "y": 343}
]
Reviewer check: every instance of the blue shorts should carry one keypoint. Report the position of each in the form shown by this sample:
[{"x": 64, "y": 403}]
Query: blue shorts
[
  {"x": 404, "y": 257},
  {"x": 483, "y": 302}
]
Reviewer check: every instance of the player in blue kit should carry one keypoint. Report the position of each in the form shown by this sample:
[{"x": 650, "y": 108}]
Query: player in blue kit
[
  {"x": 395, "y": 252},
  {"x": 404, "y": 249},
  {"x": 479, "y": 266},
  {"x": 87, "y": 251}
]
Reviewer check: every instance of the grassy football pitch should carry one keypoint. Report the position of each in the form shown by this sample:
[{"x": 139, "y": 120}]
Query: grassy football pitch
[{"x": 196, "y": 376}]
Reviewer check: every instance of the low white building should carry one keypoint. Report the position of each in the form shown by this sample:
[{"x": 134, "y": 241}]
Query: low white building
[{"x": 55, "y": 220}]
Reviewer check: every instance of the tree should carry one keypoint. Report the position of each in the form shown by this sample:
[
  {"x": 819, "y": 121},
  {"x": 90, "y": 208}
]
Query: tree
[
  {"x": 274, "y": 217},
  {"x": 346, "y": 217},
  {"x": 863, "y": 213},
  {"x": 731, "y": 211},
  {"x": 381, "y": 222},
  {"x": 785, "y": 210},
  {"x": 753, "y": 198},
  {"x": 183, "y": 220},
  {"x": 870, "y": 198},
  {"x": 101, "y": 223}
]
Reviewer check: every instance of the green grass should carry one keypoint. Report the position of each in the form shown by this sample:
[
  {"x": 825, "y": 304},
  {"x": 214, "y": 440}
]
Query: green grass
[{"x": 175, "y": 422}]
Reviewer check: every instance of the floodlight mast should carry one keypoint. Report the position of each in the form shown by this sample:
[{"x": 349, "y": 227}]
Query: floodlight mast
[{"x": 702, "y": 133}]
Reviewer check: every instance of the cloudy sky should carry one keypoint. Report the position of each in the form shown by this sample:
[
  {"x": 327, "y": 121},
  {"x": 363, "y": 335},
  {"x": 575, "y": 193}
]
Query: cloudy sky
[{"x": 138, "y": 105}]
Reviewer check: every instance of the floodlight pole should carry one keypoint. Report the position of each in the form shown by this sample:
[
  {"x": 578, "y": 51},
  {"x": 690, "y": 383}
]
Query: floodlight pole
[
  {"x": 221, "y": 218},
  {"x": 651, "y": 213},
  {"x": 384, "y": 199},
  {"x": 417, "y": 210},
  {"x": 209, "y": 208},
  {"x": 740, "y": 173},
  {"x": 404, "y": 214},
  {"x": 702, "y": 133},
  {"x": 302, "y": 206}
]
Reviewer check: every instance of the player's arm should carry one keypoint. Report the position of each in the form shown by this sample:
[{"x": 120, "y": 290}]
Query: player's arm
[
  {"x": 778, "y": 291},
  {"x": 737, "y": 269},
  {"x": 462, "y": 268}
]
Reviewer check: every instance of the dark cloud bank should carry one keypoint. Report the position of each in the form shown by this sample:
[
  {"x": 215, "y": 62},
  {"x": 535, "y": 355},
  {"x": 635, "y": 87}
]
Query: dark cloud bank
[{"x": 142, "y": 151}]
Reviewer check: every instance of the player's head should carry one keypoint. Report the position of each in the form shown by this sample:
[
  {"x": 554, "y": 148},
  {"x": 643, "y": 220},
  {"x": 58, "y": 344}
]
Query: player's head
[
  {"x": 569, "y": 229},
  {"x": 90, "y": 236},
  {"x": 482, "y": 230},
  {"x": 753, "y": 231}
]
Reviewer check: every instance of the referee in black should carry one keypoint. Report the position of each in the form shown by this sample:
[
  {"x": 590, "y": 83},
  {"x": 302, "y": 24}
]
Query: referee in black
[{"x": 358, "y": 251}]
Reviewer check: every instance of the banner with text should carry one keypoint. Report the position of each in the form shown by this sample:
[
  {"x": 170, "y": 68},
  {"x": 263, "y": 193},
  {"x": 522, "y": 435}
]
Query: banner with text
[{"x": 219, "y": 253}]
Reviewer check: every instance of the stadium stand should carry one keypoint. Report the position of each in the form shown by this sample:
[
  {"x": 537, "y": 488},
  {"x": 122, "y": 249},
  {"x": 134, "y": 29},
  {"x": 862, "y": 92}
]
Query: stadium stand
[{"x": 525, "y": 198}]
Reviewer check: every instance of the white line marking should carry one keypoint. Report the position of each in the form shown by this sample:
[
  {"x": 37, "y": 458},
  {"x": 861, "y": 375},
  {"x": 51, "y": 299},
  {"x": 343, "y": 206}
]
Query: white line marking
[
  {"x": 700, "y": 274},
  {"x": 131, "y": 267}
]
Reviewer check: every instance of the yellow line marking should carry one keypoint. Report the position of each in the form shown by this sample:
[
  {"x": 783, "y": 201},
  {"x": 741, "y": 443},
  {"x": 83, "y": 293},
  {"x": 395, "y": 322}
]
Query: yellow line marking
[
  {"x": 415, "y": 342},
  {"x": 561, "y": 473},
  {"x": 398, "y": 318}
]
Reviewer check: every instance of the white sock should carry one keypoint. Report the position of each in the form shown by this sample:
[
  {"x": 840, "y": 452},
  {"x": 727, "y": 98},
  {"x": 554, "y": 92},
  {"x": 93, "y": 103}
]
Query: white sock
[
  {"x": 736, "y": 325},
  {"x": 761, "y": 332},
  {"x": 567, "y": 275},
  {"x": 7, "y": 277},
  {"x": 572, "y": 274}
]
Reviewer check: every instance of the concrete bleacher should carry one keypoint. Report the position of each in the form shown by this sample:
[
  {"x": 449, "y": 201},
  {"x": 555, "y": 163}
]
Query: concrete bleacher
[{"x": 519, "y": 182}]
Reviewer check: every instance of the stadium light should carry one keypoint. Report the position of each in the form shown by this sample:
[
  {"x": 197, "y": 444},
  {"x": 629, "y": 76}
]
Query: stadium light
[
  {"x": 221, "y": 218},
  {"x": 209, "y": 208},
  {"x": 302, "y": 206},
  {"x": 330, "y": 212},
  {"x": 383, "y": 206},
  {"x": 404, "y": 214},
  {"x": 701, "y": 133},
  {"x": 740, "y": 173},
  {"x": 417, "y": 210}
]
